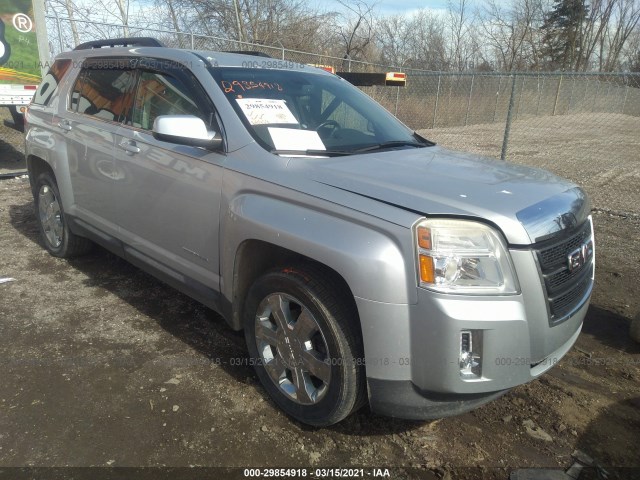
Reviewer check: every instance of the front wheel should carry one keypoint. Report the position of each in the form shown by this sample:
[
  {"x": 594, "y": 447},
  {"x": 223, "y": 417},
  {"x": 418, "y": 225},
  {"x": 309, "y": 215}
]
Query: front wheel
[{"x": 304, "y": 339}]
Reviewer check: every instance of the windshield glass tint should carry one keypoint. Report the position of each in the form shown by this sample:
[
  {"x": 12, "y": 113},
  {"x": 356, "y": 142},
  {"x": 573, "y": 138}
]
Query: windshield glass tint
[{"x": 298, "y": 110}]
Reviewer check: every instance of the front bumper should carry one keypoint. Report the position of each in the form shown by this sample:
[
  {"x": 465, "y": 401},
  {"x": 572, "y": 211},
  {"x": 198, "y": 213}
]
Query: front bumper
[
  {"x": 414, "y": 350},
  {"x": 402, "y": 399}
]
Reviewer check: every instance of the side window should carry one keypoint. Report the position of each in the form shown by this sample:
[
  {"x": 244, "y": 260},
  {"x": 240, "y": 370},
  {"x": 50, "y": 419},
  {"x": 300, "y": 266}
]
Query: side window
[
  {"x": 50, "y": 82},
  {"x": 104, "y": 93},
  {"x": 162, "y": 94}
]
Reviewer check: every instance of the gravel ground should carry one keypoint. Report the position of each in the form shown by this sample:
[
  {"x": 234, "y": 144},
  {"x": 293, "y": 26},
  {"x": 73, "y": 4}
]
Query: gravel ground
[
  {"x": 600, "y": 152},
  {"x": 102, "y": 365}
]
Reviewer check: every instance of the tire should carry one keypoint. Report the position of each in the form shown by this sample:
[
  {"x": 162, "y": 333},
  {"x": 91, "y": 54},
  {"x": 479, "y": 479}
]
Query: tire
[
  {"x": 305, "y": 344},
  {"x": 58, "y": 239}
]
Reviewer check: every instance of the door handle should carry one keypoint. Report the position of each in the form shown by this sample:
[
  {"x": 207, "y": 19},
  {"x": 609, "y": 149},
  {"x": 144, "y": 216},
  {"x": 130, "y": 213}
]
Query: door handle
[
  {"x": 129, "y": 146},
  {"x": 64, "y": 125}
]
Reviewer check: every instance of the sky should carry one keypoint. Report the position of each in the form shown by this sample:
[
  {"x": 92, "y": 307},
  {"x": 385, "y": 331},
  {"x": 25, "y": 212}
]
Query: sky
[
  {"x": 406, "y": 6},
  {"x": 391, "y": 7},
  {"x": 381, "y": 7}
]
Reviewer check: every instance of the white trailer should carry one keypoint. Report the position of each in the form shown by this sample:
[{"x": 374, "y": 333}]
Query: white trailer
[{"x": 24, "y": 53}]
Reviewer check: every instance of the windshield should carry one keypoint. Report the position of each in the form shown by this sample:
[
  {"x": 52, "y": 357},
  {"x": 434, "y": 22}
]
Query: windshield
[{"x": 296, "y": 111}]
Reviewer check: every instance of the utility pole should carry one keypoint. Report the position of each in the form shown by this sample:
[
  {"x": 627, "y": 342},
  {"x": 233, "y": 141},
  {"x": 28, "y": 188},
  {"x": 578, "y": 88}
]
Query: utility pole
[{"x": 240, "y": 36}]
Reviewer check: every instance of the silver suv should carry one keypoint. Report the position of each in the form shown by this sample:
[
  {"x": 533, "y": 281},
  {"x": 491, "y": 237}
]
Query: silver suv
[{"x": 364, "y": 263}]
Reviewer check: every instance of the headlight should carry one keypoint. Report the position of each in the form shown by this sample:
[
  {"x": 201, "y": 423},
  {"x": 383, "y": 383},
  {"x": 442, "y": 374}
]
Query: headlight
[{"x": 462, "y": 256}]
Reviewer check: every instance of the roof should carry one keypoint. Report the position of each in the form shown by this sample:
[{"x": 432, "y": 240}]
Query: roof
[{"x": 215, "y": 59}]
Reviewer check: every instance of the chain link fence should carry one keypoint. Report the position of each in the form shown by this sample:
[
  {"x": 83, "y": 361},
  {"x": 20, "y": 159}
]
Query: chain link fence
[
  {"x": 442, "y": 105},
  {"x": 502, "y": 115},
  {"x": 11, "y": 146}
]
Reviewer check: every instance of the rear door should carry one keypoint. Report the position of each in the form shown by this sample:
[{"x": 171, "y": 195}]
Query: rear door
[
  {"x": 41, "y": 138},
  {"x": 100, "y": 99},
  {"x": 169, "y": 197}
]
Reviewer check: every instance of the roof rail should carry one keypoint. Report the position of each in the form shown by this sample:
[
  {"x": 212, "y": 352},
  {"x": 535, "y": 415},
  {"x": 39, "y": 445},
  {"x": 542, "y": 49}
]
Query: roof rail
[
  {"x": 121, "y": 42},
  {"x": 248, "y": 52}
]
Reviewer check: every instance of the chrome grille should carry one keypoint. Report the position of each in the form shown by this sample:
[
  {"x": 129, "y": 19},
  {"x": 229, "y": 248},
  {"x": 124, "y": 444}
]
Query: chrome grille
[
  {"x": 565, "y": 288},
  {"x": 565, "y": 303},
  {"x": 556, "y": 254}
]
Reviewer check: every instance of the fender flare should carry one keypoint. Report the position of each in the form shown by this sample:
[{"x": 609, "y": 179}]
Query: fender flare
[{"x": 370, "y": 260}]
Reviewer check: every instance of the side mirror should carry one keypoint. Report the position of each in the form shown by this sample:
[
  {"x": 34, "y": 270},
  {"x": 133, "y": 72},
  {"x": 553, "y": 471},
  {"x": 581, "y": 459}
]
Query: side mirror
[{"x": 186, "y": 130}]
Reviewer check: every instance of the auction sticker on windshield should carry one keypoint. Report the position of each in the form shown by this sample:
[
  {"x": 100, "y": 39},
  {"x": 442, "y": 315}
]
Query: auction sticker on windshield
[
  {"x": 293, "y": 139},
  {"x": 266, "y": 111}
]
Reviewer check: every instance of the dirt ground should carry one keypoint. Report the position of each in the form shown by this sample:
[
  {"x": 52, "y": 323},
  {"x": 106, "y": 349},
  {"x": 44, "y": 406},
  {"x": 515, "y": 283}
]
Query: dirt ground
[{"x": 102, "y": 365}]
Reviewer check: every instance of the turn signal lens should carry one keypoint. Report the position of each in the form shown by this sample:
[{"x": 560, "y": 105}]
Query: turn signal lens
[
  {"x": 424, "y": 238},
  {"x": 426, "y": 269}
]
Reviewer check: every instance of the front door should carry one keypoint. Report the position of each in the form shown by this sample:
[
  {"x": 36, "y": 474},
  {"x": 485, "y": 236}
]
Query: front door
[{"x": 168, "y": 198}]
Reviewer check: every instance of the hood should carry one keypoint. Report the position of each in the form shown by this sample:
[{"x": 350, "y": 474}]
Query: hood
[{"x": 527, "y": 204}]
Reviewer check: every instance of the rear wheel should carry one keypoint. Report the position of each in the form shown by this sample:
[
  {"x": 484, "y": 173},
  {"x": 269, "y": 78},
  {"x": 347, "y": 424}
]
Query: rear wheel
[
  {"x": 58, "y": 239},
  {"x": 303, "y": 337}
]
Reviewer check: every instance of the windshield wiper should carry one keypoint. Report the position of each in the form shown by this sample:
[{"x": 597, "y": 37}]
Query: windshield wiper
[
  {"x": 390, "y": 144},
  {"x": 312, "y": 153},
  {"x": 339, "y": 153}
]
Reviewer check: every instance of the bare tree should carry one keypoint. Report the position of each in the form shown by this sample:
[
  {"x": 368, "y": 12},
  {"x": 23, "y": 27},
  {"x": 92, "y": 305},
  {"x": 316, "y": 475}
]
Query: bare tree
[
  {"x": 69, "y": 8},
  {"x": 595, "y": 29},
  {"x": 508, "y": 31},
  {"x": 74, "y": 14},
  {"x": 626, "y": 19},
  {"x": 504, "y": 34},
  {"x": 268, "y": 22},
  {"x": 632, "y": 51},
  {"x": 355, "y": 28},
  {"x": 171, "y": 6},
  {"x": 123, "y": 8},
  {"x": 394, "y": 35},
  {"x": 462, "y": 35},
  {"x": 428, "y": 43},
  {"x": 415, "y": 41},
  {"x": 70, "y": 13}
]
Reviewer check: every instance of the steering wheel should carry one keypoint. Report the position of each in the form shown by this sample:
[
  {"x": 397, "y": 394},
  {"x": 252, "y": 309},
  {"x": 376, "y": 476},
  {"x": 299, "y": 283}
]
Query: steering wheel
[{"x": 335, "y": 126}]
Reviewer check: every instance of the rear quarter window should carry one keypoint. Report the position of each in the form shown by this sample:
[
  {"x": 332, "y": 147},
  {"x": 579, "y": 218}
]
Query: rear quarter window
[{"x": 51, "y": 81}]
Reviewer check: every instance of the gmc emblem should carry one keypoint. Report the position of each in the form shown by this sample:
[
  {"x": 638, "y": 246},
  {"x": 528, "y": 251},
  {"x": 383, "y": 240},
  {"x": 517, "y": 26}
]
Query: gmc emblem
[{"x": 580, "y": 256}]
